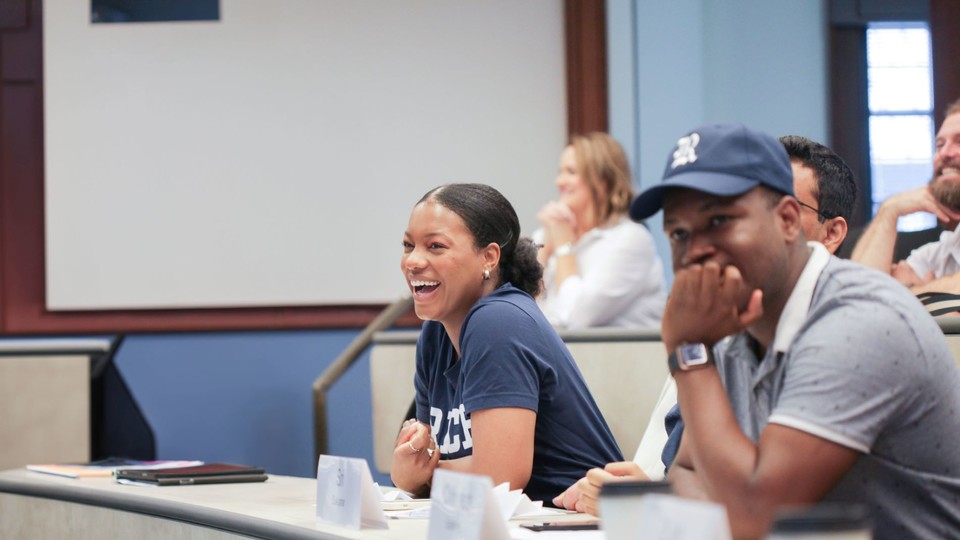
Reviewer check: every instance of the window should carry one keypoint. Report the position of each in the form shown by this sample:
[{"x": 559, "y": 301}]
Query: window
[{"x": 901, "y": 125}]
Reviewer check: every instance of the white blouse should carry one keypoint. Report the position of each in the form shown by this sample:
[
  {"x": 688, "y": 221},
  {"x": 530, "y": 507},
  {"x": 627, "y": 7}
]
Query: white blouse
[{"x": 620, "y": 281}]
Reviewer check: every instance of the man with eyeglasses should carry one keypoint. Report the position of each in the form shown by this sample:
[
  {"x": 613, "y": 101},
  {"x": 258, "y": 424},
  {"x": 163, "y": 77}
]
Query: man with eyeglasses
[
  {"x": 825, "y": 189},
  {"x": 934, "y": 266}
]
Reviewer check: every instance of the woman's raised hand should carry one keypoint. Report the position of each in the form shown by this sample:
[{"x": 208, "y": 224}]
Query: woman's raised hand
[{"x": 415, "y": 456}]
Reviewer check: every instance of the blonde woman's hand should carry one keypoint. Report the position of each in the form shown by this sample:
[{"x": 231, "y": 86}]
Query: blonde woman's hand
[{"x": 559, "y": 225}]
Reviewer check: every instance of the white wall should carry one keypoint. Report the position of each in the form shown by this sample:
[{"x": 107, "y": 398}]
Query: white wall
[
  {"x": 272, "y": 158},
  {"x": 760, "y": 62}
]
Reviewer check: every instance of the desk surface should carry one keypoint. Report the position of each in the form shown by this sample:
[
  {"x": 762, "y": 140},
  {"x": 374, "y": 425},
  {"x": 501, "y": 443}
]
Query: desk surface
[{"x": 280, "y": 508}]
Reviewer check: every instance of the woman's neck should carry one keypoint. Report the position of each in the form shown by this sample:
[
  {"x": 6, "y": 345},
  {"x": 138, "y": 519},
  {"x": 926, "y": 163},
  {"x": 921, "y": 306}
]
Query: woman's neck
[{"x": 454, "y": 325}]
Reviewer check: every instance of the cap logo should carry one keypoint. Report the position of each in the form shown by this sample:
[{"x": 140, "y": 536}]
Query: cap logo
[{"x": 686, "y": 150}]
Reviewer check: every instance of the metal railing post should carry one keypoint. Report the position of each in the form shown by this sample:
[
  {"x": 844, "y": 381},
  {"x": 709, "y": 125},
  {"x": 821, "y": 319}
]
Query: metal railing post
[{"x": 346, "y": 359}]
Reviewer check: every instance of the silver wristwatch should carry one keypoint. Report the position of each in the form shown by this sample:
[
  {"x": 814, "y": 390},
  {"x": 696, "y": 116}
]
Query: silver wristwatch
[{"x": 689, "y": 356}]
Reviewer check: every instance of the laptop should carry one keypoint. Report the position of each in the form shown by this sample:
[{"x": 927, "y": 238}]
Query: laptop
[{"x": 209, "y": 473}]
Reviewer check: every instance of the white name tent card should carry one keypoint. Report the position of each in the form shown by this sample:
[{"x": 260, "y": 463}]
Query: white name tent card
[
  {"x": 464, "y": 508},
  {"x": 346, "y": 494},
  {"x": 668, "y": 517},
  {"x": 515, "y": 503}
]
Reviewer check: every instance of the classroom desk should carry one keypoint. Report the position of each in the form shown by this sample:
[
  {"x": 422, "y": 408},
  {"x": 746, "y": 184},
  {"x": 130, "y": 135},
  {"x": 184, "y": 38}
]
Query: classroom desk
[{"x": 35, "y": 505}]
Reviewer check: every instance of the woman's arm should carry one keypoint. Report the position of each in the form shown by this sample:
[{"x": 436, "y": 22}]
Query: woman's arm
[
  {"x": 559, "y": 229},
  {"x": 502, "y": 446}
]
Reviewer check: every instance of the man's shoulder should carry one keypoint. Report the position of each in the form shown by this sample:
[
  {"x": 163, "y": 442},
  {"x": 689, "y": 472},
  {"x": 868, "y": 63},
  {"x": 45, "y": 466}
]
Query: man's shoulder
[
  {"x": 855, "y": 307},
  {"x": 843, "y": 279},
  {"x": 866, "y": 297},
  {"x": 948, "y": 242}
]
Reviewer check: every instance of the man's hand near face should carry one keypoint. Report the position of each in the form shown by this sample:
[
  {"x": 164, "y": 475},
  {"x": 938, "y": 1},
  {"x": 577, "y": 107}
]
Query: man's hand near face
[
  {"x": 707, "y": 304},
  {"x": 751, "y": 478}
]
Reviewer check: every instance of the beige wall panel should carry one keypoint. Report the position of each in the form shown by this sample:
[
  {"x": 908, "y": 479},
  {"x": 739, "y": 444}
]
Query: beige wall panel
[{"x": 44, "y": 409}]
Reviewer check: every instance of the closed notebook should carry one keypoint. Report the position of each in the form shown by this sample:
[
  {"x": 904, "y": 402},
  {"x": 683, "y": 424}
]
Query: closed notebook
[{"x": 210, "y": 473}]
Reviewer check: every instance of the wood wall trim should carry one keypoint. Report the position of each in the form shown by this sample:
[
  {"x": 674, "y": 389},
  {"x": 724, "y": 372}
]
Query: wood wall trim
[
  {"x": 945, "y": 39},
  {"x": 13, "y": 14},
  {"x": 586, "y": 51},
  {"x": 849, "y": 136},
  {"x": 22, "y": 251}
]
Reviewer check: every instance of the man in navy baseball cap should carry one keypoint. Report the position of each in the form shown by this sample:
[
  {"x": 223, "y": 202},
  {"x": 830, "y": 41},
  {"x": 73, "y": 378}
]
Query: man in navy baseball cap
[
  {"x": 720, "y": 159},
  {"x": 792, "y": 366}
]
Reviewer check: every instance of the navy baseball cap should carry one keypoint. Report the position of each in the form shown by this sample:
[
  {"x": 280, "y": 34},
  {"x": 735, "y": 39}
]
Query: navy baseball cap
[{"x": 721, "y": 159}]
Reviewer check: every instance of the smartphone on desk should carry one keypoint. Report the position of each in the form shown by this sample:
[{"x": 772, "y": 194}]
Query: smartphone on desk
[{"x": 563, "y": 526}]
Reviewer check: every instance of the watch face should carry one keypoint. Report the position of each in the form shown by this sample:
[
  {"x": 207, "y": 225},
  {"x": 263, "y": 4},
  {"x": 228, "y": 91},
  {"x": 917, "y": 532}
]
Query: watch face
[{"x": 692, "y": 355}]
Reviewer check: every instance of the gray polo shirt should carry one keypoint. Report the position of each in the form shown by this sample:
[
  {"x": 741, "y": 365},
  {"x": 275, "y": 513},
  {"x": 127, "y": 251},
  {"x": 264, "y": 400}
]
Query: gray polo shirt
[{"x": 857, "y": 360}]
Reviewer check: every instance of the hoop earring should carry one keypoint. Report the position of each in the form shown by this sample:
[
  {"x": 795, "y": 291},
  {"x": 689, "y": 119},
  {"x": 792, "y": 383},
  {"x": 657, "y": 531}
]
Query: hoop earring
[{"x": 486, "y": 274}]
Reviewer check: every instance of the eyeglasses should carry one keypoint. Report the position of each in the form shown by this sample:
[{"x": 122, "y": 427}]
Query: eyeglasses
[{"x": 823, "y": 217}]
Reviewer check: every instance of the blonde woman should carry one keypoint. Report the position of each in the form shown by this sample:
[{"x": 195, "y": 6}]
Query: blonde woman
[{"x": 600, "y": 268}]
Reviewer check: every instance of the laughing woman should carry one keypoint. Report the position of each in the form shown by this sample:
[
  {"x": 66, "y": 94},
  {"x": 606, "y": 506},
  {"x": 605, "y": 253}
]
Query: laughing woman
[{"x": 497, "y": 392}]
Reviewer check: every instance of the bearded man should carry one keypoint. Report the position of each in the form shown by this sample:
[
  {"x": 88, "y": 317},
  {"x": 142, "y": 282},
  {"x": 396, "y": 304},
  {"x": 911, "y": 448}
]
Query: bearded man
[{"x": 935, "y": 266}]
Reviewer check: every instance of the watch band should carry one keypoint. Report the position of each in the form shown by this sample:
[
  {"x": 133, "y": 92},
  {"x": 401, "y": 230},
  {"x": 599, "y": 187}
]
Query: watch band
[
  {"x": 563, "y": 249},
  {"x": 672, "y": 362}
]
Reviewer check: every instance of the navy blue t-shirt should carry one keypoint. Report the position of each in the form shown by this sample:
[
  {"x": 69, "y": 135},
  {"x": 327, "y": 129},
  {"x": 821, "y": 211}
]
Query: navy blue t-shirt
[{"x": 512, "y": 357}]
